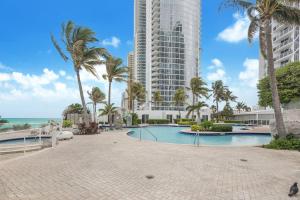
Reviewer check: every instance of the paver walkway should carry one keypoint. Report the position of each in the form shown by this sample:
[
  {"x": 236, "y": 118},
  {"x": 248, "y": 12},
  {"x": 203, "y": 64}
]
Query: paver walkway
[{"x": 113, "y": 166}]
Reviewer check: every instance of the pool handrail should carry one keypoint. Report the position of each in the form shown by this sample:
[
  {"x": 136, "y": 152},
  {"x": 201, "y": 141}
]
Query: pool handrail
[{"x": 148, "y": 131}]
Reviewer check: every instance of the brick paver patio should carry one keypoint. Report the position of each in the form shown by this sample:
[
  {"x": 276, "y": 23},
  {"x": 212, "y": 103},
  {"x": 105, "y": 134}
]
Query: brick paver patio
[{"x": 113, "y": 166}]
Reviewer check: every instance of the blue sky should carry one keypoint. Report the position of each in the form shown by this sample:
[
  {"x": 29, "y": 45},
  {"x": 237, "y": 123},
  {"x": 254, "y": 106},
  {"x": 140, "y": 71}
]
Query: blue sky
[{"x": 36, "y": 82}]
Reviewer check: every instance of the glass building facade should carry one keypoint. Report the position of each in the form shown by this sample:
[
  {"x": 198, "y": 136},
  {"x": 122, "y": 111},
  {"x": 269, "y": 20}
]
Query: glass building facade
[{"x": 172, "y": 42}]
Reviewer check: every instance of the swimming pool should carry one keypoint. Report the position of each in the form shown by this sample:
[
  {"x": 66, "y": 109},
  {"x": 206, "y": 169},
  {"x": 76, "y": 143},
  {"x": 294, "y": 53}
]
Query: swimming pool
[{"x": 169, "y": 134}]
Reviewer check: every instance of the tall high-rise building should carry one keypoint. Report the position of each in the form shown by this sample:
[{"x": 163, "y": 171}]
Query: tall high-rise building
[
  {"x": 131, "y": 66},
  {"x": 167, "y": 48},
  {"x": 285, "y": 45}
]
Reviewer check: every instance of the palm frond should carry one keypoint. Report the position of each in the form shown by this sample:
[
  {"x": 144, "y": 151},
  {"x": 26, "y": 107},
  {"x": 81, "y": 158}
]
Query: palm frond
[
  {"x": 61, "y": 53},
  {"x": 253, "y": 28},
  {"x": 237, "y": 4},
  {"x": 91, "y": 69},
  {"x": 67, "y": 32},
  {"x": 287, "y": 14}
]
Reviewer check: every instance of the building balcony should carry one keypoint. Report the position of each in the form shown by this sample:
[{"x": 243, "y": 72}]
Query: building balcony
[
  {"x": 282, "y": 34},
  {"x": 283, "y": 44},
  {"x": 283, "y": 56}
]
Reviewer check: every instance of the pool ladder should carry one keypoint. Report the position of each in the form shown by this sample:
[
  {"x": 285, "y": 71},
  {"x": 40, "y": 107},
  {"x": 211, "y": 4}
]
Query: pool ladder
[{"x": 148, "y": 131}]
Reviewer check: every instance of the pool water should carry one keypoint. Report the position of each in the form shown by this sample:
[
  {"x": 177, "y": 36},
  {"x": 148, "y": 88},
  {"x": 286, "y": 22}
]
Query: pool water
[
  {"x": 21, "y": 140},
  {"x": 169, "y": 134}
]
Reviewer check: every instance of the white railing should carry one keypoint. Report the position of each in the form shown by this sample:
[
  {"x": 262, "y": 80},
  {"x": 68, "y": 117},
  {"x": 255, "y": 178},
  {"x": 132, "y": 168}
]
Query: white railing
[
  {"x": 27, "y": 146},
  {"x": 21, "y": 147}
]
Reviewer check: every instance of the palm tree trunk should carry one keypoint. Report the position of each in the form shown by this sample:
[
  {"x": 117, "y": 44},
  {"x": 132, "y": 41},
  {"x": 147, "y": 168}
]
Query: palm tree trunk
[
  {"x": 94, "y": 107},
  {"x": 273, "y": 82},
  {"x": 133, "y": 105},
  {"x": 193, "y": 105},
  {"x": 109, "y": 96},
  {"x": 198, "y": 115},
  {"x": 82, "y": 97},
  {"x": 217, "y": 107}
]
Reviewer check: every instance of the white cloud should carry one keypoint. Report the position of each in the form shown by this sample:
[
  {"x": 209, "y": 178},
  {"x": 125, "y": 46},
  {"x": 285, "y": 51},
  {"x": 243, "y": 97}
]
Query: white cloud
[
  {"x": 220, "y": 74},
  {"x": 236, "y": 32},
  {"x": 245, "y": 94},
  {"x": 62, "y": 73},
  {"x": 217, "y": 71},
  {"x": 60, "y": 86},
  {"x": 28, "y": 80},
  {"x": 48, "y": 93},
  {"x": 4, "y": 67},
  {"x": 86, "y": 76},
  {"x": 4, "y": 77},
  {"x": 114, "y": 42},
  {"x": 250, "y": 75},
  {"x": 216, "y": 63}
]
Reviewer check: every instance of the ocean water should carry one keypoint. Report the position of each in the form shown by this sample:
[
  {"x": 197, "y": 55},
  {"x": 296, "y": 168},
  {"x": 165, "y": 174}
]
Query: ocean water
[{"x": 34, "y": 122}]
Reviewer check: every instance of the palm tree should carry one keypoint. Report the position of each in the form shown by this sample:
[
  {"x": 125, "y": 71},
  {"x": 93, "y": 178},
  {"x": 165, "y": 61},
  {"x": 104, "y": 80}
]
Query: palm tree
[
  {"x": 213, "y": 109},
  {"x": 114, "y": 71},
  {"x": 198, "y": 88},
  {"x": 77, "y": 41},
  {"x": 240, "y": 106},
  {"x": 179, "y": 99},
  {"x": 228, "y": 96},
  {"x": 218, "y": 89},
  {"x": 108, "y": 110},
  {"x": 196, "y": 108},
  {"x": 261, "y": 13},
  {"x": 138, "y": 93},
  {"x": 96, "y": 96},
  {"x": 246, "y": 108},
  {"x": 157, "y": 98}
]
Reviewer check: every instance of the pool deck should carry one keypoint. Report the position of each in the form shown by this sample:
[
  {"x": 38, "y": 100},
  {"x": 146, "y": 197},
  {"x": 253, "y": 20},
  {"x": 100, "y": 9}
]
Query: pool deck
[{"x": 113, "y": 166}]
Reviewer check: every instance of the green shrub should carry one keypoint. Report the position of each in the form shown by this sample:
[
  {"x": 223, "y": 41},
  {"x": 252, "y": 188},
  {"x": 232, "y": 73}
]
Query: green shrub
[
  {"x": 187, "y": 123},
  {"x": 207, "y": 125},
  {"x": 21, "y": 127},
  {"x": 221, "y": 128},
  {"x": 3, "y": 121},
  {"x": 67, "y": 124},
  {"x": 232, "y": 122},
  {"x": 158, "y": 121},
  {"x": 186, "y": 120},
  {"x": 196, "y": 128},
  {"x": 284, "y": 144},
  {"x": 135, "y": 119},
  {"x": 183, "y": 120}
]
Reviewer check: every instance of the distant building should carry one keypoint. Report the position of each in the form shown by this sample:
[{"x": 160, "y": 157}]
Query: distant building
[
  {"x": 285, "y": 45},
  {"x": 131, "y": 79},
  {"x": 167, "y": 50},
  {"x": 255, "y": 117}
]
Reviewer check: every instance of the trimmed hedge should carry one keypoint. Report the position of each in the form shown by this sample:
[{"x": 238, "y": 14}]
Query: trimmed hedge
[
  {"x": 183, "y": 120},
  {"x": 187, "y": 123},
  {"x": 207, "y": 125},
  {"x": 158, "y": 121},
  {"x": 221, "y": 128},
  {"x": 232, "y": 122},
  {"x": 197, "y": 128}
]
